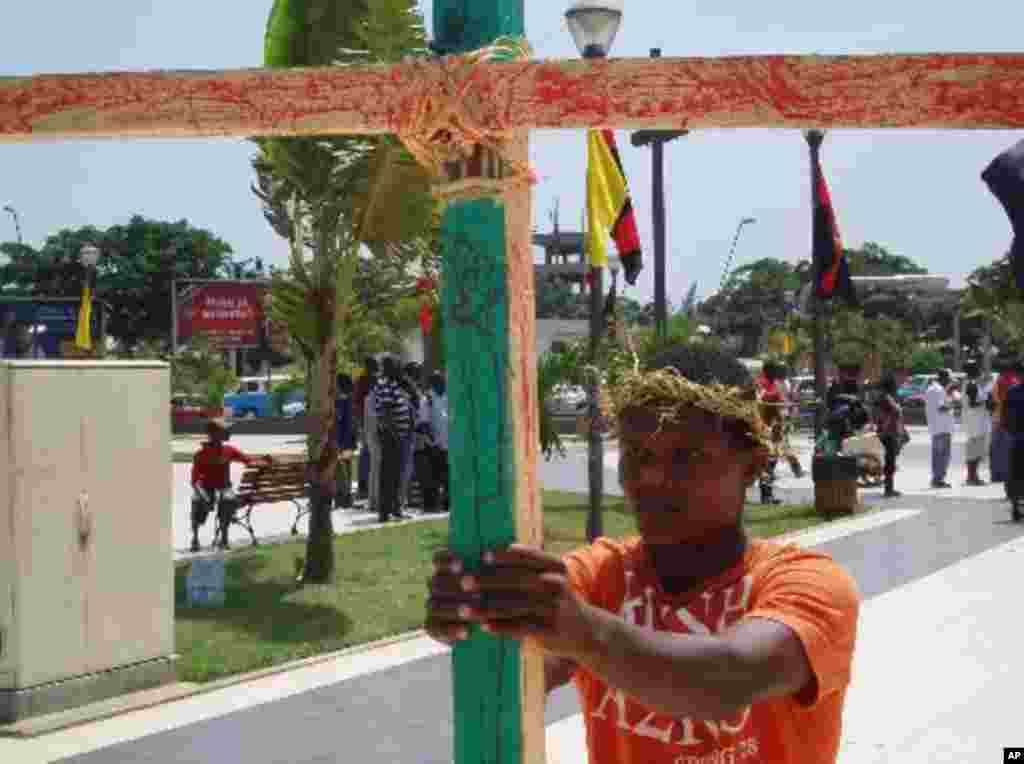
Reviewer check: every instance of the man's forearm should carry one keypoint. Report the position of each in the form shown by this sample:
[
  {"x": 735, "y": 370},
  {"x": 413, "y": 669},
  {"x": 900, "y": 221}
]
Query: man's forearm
[{"x": 673, "y": 674}]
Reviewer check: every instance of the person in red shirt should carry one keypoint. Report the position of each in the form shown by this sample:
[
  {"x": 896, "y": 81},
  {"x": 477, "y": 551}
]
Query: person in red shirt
[
  {"x": 211, "y": 481},
  {"x": 775, "y": 406},
  {"x": 692, "y": 642},
  {"x": 1010, "y": 374}
]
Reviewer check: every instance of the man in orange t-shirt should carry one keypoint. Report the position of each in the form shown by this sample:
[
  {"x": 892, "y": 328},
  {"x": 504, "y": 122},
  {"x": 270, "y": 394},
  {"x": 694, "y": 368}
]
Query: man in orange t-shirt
[{"x": 691, "y": 644}]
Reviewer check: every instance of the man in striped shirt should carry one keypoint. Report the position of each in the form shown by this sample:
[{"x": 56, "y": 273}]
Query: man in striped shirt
[{"x": 394, "y": 424}]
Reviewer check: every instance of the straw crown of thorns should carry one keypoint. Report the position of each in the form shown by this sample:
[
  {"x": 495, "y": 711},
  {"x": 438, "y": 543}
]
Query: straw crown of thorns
[{"x": 670, "y": 394}]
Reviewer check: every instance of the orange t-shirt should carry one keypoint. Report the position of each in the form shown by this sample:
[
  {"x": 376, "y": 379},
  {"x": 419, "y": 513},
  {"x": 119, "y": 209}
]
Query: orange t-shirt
[{"x": 807, "y": 591}]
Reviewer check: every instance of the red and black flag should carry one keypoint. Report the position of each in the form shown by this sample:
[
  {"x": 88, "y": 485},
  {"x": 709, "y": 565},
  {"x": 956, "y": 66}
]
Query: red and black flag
[
  {"x": 1005, "y": 179},
  {"x": 831, "y": 269},
  {"x": 609, "y": 207}
]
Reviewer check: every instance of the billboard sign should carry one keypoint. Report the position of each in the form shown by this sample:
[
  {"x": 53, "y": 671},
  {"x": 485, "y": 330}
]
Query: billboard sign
[
  {"x": 228, "y": 314},
  {"x": 36, "y": 328}
]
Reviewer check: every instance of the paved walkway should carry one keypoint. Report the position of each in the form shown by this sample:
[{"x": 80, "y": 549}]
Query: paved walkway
[{"x": 933, "y": 678}]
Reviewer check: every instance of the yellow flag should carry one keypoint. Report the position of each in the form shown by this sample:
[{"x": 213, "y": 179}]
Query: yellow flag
[
  {"x": 609, "y": 208},
  {"x": 83, "y": 336}
]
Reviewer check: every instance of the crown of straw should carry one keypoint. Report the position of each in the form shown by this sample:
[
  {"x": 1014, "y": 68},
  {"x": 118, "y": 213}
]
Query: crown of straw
[{"x": 668, "y": 393}]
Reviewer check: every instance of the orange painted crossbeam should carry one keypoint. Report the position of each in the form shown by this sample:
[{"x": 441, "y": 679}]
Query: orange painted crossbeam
[{"x": 954, "y": 91}]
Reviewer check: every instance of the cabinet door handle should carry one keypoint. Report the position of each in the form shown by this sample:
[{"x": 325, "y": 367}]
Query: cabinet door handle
[{"x": 83, "y": 519}]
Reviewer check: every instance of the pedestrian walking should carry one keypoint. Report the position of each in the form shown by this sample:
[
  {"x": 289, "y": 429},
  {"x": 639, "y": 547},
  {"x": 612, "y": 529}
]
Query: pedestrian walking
[
  {"x": 938, "y": 410},
  {"x": 1011, "y": 372},
  {"x": 891, "y": 431},
  {"x": 977, "y": 421},
  {"x": 772, "y": 394},
  {"x": 1014, "y": 421},
  {"x": 346, "y": 440},
  {"x": 394, "y": 423},
  {"x": 692, "y": 642}
]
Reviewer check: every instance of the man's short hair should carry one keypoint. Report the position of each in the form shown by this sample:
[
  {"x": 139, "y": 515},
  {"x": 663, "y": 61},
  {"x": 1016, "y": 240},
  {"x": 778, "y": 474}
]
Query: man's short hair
[
  {"x": 707, "y": 365},
  {"x": 371, "y": 365},
  {"x": 703, "y": 364},
  {"x": 389, "y": 367}
]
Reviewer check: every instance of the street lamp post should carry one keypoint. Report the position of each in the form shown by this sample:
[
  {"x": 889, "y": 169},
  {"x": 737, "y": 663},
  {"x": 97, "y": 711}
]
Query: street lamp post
[
  {"x": 657, "y": 139},
  {"x": 89, "y": 256},
  {"x": 17, "y": 223},
  {"x": 814, "y": 140},
  {"x": 593, "y": 25},
  {"x": 744, "y": 222}
]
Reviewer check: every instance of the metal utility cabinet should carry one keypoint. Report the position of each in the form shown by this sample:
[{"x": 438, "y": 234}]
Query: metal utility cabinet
[{"x": 86, "y": 567}]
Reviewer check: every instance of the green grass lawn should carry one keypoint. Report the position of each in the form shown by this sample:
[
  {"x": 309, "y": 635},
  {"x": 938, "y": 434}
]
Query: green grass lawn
[{"x": 379, "y": 588}]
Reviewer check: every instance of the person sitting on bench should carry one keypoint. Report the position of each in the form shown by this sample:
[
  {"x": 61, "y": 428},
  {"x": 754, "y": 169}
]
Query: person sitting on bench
[{"x": 211, "y": 481}]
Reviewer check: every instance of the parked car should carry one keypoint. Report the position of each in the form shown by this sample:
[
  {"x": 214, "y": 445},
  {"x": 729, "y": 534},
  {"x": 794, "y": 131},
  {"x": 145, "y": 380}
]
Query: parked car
[
  {"x": 293, "y": 409},
  {"x": 567, "y": 400},
  {"x": 912, "y": 392},
  {"x": 188, "y": 409},
  {"x": 253, "y": 398}
]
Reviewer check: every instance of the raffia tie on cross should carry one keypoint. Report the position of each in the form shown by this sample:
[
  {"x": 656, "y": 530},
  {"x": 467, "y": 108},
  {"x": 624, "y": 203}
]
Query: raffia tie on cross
[{"x": 455, "y": 127}]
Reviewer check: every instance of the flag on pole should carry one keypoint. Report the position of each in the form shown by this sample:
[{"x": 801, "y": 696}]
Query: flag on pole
[
  {"x": 832, "y": 271},
  {"x": 1005, "y": 179},
  {"x": 83, "y": 334},
  {"x": 609, "y": 207}
]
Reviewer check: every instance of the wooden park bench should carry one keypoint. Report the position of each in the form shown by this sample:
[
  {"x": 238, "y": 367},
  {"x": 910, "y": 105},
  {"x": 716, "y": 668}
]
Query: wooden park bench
[{"x": 285, "y": 479}]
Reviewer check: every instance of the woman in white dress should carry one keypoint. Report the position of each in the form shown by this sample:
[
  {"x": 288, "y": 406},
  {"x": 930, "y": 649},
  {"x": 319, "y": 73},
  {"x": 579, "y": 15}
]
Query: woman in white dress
[{"x": 977, "y": 422}]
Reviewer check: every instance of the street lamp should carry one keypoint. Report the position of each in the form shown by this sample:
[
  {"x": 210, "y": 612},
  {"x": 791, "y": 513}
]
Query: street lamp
[
  {"x": 593, "y": 25},
  {"x": 657, "y": 139},
  {"x": 720, "y": 316},
  {"x": 90, "y": 256},
  {"x": 17, "y": 223}
]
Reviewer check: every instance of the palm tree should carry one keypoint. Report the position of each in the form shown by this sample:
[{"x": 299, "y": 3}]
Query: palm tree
[{"x": 337, "y": 200}]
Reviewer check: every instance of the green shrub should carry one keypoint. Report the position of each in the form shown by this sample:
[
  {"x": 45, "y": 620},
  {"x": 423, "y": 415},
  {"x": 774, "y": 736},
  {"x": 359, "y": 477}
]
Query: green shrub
[{"x": 926, "y": 361}]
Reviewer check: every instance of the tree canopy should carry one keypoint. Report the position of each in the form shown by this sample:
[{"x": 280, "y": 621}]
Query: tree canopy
[{"x": 139, "y": 261}]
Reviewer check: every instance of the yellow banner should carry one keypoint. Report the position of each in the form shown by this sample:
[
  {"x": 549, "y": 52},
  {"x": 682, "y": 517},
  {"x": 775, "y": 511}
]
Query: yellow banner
[{"x": 83, "y": 335}]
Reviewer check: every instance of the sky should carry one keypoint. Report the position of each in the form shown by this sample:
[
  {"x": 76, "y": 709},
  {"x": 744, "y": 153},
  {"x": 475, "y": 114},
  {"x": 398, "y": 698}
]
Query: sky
[{"x": 916, "y": 192}]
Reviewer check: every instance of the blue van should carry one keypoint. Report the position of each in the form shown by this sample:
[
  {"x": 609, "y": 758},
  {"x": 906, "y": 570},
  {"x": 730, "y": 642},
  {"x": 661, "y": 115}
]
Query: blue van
[{"x": 253, "y": 398}]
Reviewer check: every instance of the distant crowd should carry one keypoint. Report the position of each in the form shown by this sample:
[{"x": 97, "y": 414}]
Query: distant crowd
[{"x": 397, "y": 422}]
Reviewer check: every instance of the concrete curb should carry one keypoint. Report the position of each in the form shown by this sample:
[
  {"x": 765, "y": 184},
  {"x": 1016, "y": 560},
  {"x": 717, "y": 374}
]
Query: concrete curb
[{"x": 43, "y": 725}]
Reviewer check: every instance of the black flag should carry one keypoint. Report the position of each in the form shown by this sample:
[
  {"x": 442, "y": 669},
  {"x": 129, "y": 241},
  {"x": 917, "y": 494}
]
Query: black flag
[{"x": 1005, "y": 179}]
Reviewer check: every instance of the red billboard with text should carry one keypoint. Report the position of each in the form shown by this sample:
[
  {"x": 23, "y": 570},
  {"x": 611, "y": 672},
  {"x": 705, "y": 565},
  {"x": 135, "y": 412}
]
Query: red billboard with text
[{"x": 228, "y": 314}]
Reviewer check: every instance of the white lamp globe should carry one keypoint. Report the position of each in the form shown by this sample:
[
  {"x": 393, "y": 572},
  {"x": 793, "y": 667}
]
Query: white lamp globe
[{"x": 594, "y": 24}]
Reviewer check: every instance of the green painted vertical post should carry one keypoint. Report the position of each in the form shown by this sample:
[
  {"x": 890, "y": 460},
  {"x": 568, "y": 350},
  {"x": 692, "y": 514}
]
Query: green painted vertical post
[{"x": 488, "y": 335}]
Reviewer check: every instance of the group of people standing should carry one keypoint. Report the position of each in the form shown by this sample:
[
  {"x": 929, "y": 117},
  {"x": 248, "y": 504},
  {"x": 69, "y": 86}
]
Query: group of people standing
[
  {"x": 401, "y": 422},
  {"x": 989, "y": 419}
]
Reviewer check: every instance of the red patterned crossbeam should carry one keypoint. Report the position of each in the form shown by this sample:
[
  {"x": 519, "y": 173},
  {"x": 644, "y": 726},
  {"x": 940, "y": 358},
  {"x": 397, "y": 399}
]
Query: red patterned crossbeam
[{"x": 930, "y": 91}]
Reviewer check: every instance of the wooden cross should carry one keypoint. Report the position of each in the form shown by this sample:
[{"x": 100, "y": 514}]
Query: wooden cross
[{"x": 488, "y": 285}]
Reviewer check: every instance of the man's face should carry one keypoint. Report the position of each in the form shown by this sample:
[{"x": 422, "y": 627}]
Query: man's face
[{"x": 687, "y": 480}]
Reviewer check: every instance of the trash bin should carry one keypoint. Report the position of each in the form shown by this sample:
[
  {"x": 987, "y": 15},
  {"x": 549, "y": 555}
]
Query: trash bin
[{"x": 835, "y": 485}]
